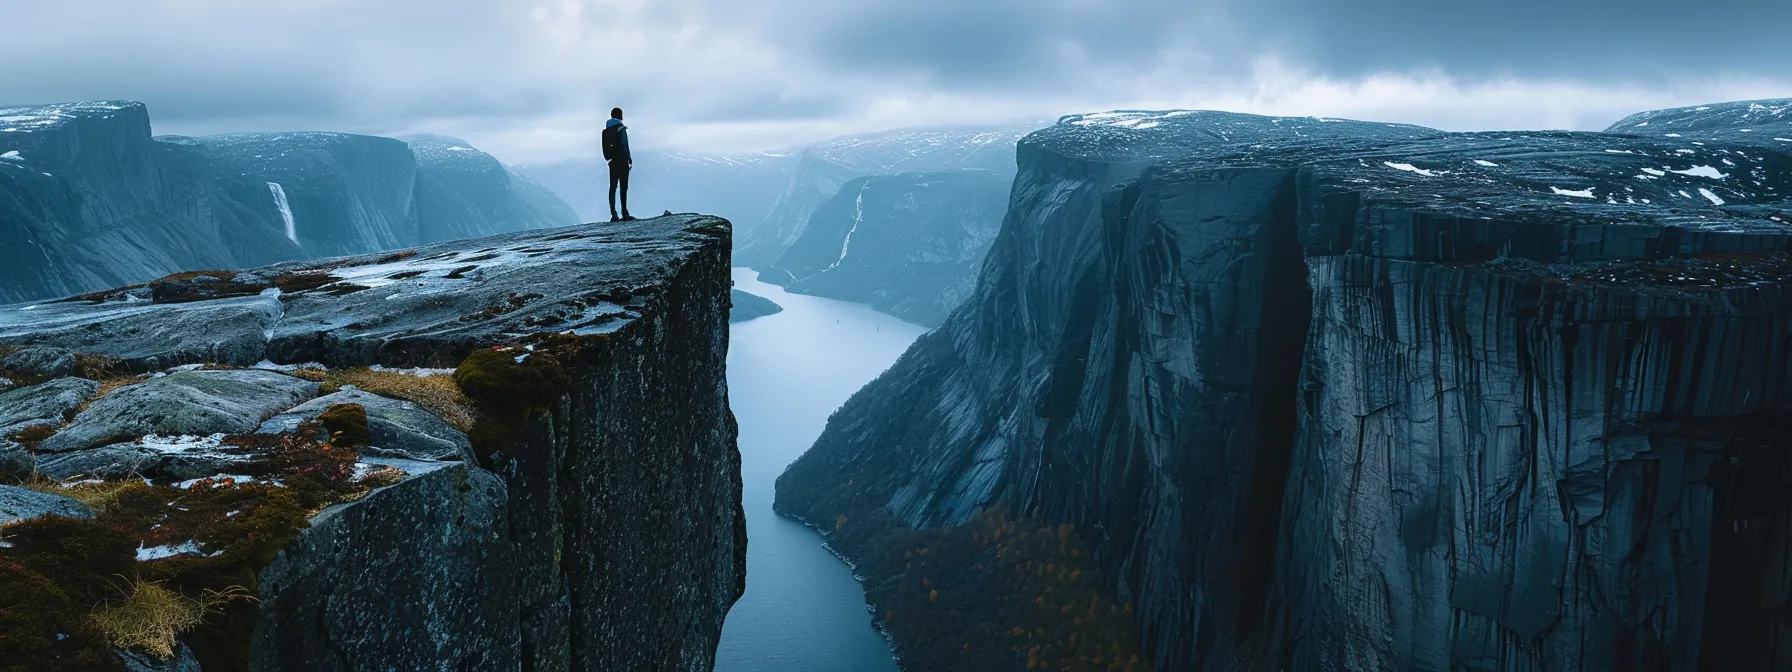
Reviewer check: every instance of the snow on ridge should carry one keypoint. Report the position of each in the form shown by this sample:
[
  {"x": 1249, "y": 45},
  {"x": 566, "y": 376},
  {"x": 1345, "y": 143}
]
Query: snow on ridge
[
  {"x": 1485, "y": 162},
  {"x": 1132, "y": 120},
  {"x": 1582, "y": 193}
]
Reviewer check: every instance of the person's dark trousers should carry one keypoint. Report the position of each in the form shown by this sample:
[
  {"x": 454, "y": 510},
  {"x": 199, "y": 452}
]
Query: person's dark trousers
[{"x": 618, "y": 178}]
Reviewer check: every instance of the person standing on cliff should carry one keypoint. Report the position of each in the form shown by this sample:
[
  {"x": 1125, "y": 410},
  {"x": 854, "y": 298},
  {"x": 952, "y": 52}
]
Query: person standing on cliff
[{"x": 616, "y": 154}]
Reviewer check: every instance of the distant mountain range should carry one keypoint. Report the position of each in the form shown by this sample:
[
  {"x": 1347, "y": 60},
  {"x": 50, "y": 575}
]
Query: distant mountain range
[{"x": 90, "y": 199}]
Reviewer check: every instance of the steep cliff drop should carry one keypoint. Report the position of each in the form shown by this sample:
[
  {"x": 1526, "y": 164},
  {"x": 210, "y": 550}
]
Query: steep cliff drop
[
  {"x": 1319, "y": 394},
  {"x": 566, "y": 497}
]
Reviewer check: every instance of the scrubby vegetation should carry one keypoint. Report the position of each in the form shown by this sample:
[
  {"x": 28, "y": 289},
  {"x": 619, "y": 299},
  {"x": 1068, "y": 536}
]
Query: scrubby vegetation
[
  {"x": 166, "y": 561},
  {"x": 151, "y": 616},
  {"x": 997, "y": 593}
]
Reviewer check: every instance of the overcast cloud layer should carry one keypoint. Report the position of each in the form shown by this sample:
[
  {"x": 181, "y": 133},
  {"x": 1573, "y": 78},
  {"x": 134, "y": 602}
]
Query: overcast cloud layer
[{"x": 529, "y": 79}]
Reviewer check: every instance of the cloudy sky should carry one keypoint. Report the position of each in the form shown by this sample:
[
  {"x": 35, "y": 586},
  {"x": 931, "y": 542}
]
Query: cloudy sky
[{"x": 529, "y": 80}]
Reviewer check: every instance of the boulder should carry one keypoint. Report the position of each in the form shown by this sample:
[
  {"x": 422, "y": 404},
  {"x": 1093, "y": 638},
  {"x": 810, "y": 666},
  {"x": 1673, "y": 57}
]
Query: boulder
[
  {"x": 114, "y": 461},
  {"x": 398, "y": 428},
  {"x": 15, "y": 461},
  {"x": 184, "y": 403},
  {"x": 18, "y": 504},
  {"x": 46, "y": 362},
  {"x": 433, "y": 535},
  {"x": 45, "y": 404}
]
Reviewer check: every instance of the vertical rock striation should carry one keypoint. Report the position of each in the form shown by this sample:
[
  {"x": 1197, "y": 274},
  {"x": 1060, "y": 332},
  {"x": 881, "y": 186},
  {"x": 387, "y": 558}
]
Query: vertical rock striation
[{"x": 1334, "y": 395}]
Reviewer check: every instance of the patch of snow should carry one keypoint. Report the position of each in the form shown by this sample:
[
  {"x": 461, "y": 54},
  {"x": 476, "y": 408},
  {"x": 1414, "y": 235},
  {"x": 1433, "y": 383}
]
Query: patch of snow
[
  {"x": 160, "y": 552},
  {"x": 1784, "y": 139},
  {"x": 279, "y": 192},
  {"x": 186, "y": 367},
  {"x": 218, "y": 480},
  {"x": 1683, "y": 194},
  {"x": 1409, "y": 168},
  {"x": 1684, "y": 151},
  {"x": 1642, "y": 124},
  {"x": 1583, "y": 193},
  {"x": 1702, "y": 171},
  {"x": 266, "y": 365},
  {"x": 1657, "y": 173},
  {"x": 1619, "y": 151},
  {"x": 176, "y": 445},
  {"x": 522, "y": 357},
  {"x": 1700, "y": 109},
  {"x": 1484, "y": 162},
  {"x": 12, "y": 156},
  {"x": 1133, "y": 120},
  {"x": 420, "y": 373},
  {"x": 1710, "y": 196}
]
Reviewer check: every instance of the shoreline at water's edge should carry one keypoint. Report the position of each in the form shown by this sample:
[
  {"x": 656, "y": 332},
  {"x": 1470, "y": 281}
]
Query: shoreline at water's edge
[{"x": 876, "y": 623}]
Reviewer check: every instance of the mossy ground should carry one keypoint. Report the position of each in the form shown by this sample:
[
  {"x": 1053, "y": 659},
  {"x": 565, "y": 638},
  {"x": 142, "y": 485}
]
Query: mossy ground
[
  {"x": 65, "y": 571},
  {"x": 509, "y": 386},
  {"x": 346, "y": 425}
]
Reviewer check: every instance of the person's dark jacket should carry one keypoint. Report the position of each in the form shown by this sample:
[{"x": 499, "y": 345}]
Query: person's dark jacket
[{"x": 616, "y": 143}]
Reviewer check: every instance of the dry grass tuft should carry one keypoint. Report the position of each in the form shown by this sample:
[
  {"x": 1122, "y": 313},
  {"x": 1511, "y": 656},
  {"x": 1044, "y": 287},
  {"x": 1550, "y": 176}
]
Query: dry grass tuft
[
  {"x": 437, "y": 394},
  {"x": 313, "y": 375},
  {"x": 152, "y": 616},
  {"x": 97, "y": 496}
]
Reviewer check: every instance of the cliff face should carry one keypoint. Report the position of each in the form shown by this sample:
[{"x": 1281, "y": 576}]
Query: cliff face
[
  {"x": 465, "y": 193},
  {"x": 823, "y": 168},
  {"x": 909, "y": 244},
  {"x": 1332, "y": 395},
  {"x": 599, "y": 525},
  {"x": 88, "y": 199}
]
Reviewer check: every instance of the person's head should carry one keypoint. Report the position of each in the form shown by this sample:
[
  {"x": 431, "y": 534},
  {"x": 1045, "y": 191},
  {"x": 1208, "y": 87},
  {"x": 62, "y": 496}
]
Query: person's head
[{"x": 615, "y": 113}]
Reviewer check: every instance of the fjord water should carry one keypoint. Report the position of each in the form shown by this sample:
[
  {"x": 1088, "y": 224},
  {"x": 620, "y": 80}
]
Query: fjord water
[{"x": 802, "y": 612}]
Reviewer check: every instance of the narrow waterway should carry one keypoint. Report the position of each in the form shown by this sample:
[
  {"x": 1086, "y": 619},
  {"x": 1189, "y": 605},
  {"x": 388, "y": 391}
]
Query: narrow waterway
[{"x": 803, "y": 612}]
